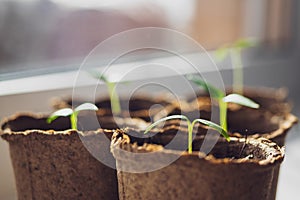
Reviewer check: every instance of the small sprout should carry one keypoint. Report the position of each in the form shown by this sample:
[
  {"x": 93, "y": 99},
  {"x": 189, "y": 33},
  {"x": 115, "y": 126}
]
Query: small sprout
[
  {"x": 234, "y": 50},
  {"x": 190, "y": 127},
  {"x": 72, "y": 113},
  {"x": 222, "y": 99},
  {"x": 114, "y": 98}
]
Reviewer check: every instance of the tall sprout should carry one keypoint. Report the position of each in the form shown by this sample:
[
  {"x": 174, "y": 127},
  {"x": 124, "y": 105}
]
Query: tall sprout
[
  {"x": 234, "y": 50},
  {"x": 113, "y": 95}
]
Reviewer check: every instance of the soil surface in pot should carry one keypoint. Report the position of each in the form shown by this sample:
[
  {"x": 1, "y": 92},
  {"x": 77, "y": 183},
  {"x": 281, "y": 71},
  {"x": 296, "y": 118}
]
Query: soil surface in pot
[
  {"x": 144, "y": 107},
  {"x": 87, "y": 121}
]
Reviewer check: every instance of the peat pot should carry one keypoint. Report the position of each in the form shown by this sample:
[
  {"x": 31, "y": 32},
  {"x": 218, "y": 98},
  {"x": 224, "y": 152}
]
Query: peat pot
[
  {"x": 239, "y": 169},
  {"x": 50, "y": 161}
]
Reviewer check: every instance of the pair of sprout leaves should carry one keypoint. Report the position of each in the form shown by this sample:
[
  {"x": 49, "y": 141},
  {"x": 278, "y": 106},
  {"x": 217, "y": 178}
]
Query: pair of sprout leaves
[
  {"x": 214, "y": 92},
  {"x": 114, "y": 99}
]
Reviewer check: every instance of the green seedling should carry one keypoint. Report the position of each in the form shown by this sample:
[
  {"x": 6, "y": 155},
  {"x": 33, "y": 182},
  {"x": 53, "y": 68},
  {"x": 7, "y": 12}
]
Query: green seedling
[
  {"x": 114, "y": 97},
  {"x": 72, "y": 113},
  {"x": 190, "y": 127},
  {"x": 234, "y": 50},
  {"x": 222, "y": 99}
]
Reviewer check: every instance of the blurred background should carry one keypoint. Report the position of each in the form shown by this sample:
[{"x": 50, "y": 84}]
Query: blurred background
[
  {"x": 38, "y": 33},
  {"x": 39, "y": 37}
]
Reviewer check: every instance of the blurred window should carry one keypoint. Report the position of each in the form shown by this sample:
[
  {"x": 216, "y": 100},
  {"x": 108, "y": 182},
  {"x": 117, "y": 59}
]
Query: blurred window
[{"x": 45, "y": 36}]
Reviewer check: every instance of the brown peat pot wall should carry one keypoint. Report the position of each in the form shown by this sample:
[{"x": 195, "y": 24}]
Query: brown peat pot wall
[
  {"x": 261, "y": 124},
  {"x": 240, "y": 169},
  {"x": 269, "y": 99},
  {"x": 51, "y": 162}
]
